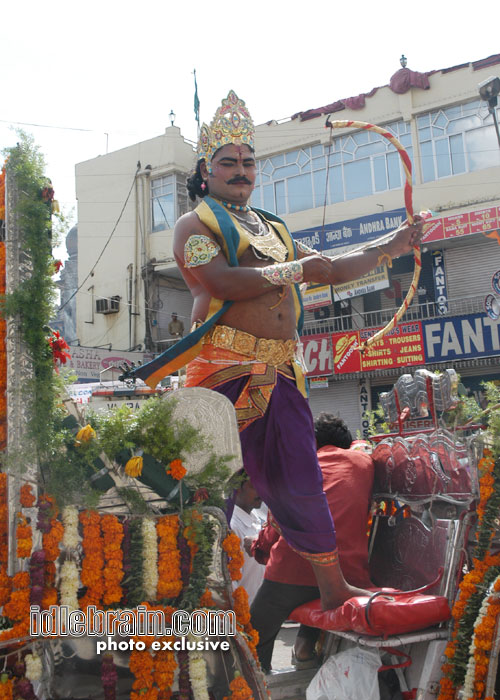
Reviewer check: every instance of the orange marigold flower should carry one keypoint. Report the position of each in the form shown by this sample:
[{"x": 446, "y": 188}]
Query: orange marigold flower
[
  {"x": 177, "y": 470},
  {"x": 26, "y": 496}
]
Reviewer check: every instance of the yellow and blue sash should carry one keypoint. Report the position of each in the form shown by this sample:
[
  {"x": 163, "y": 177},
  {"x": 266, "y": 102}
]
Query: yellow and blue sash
[{"x": 219, "y": 221}]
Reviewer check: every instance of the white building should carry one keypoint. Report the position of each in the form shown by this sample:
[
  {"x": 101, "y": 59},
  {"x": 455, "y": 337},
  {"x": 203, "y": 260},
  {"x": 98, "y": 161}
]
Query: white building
[{"x": 335, "y": 188}]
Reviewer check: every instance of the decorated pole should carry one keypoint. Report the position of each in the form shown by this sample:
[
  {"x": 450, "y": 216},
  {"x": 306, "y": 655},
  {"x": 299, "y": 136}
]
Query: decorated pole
[{"x": 408, "y": 197}]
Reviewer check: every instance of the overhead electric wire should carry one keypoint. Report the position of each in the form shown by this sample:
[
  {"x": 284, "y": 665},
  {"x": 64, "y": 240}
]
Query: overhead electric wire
[{"x": 107, "y": 242}]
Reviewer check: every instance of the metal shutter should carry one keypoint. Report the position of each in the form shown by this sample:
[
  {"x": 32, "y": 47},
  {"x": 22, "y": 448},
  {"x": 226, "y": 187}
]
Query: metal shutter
[
  {"x": 469, "y": 269},
  {"x": 342, "y": 399}
]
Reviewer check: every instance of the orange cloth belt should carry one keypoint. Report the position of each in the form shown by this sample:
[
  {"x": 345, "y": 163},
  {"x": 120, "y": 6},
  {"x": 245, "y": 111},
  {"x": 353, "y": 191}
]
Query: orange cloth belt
[{"x": 215, "y": 366}]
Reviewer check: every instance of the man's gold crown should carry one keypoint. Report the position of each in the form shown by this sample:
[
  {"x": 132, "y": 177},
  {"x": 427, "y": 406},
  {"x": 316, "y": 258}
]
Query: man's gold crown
[{"x": 232, "y": 123}]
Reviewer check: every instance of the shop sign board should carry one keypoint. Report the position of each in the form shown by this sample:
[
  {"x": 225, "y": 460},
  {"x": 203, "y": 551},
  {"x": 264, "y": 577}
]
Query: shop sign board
[
  {"x": 88, "y": 363},
  {"x": 461, "y": 337},
  {"x": 401, "y": 347},
  {"x": 351, "y": 231},
  {"x": 317, "y": 351},
  {"x": 318, "y": 382},
  {"x": 316, "y": 297},
  {"x": 439, "y": 275},
  {"x": 371, "y": 282},
  {"x": 465, "y": 224},
  {"x": 415, "y": 343}
]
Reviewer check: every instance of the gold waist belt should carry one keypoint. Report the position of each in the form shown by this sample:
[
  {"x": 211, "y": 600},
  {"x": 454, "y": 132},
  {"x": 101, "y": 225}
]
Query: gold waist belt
[{"x": 272, "y": 352}]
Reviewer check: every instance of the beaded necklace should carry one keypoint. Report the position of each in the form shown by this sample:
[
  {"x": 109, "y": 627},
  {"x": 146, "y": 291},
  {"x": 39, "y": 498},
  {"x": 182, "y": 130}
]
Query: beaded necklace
[{"x": 235, "y": 207}]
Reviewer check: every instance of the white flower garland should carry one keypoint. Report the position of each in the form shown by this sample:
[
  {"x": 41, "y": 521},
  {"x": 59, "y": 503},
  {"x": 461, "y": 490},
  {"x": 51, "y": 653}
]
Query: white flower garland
[
  {"x": 33, "y": 667},
  {"x": 71, "y": 538},
  {"x": 198, "y": 674},
  {"x": 69, "y": 584},
  {"x": 150, "y": 558},
  {"x": 468, "y": 687}
]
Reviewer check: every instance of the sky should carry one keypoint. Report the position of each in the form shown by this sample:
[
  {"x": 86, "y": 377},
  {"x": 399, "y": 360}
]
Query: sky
[{"x": 97, "y": 76}]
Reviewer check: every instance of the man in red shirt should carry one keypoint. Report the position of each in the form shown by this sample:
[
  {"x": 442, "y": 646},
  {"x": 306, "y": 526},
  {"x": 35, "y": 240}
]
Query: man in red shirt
[{"x": 289, "y": 581}]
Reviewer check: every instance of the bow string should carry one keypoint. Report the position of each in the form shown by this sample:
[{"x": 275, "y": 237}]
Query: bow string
[{"x": 408, "y": 199}]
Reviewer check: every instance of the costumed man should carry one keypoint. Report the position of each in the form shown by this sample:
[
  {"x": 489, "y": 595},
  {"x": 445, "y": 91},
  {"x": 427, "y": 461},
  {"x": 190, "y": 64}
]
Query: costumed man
[
  {"x": 288, "y": 581},
  {"x": 243, "y": 269}
]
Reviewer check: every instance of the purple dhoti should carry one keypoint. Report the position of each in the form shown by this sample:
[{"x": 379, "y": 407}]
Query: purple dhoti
[{"x": 278, "y": 446}]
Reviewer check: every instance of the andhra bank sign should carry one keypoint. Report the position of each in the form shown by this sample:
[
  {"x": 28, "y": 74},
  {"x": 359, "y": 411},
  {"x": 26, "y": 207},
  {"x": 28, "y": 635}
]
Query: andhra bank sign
[{"x": 351, "y": 231}]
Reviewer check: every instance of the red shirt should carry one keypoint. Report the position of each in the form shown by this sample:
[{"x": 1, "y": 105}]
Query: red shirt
[{"x": 347, "y": 482}]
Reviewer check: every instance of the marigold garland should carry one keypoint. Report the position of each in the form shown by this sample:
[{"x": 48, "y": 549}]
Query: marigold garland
[
  {"x": 5, "y": 586},
  {"x": 485, "y": 567},
  {"x": 164, "y": 670},
  {"x": 242, "y": 611},
  {"x": 24, "y": 537},
  {"x": 239, "y": 689},
  {"x": 206, "y": 600},
  {"x": 112, "y": 531},
  {"x": 141, "y": 665},
  {"x": 93, "y": 560},
  {"x": 50, "y": 543},
  {"x": 482, "y": 642},
  {"x": 4, "y": 521},
  {"x": 17, "y": 608},
  {"x": 6, "y": 687},
  {"x": 26, "y": 496},
  {"x": 169, "y": 560},
  {"x": 232, "y": 546}
]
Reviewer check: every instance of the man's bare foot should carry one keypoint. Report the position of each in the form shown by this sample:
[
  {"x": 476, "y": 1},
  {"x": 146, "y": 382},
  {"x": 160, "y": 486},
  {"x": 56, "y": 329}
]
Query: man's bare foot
[
  {"x": 333, "y": 588},
  {"x": 334, "y": 598}
]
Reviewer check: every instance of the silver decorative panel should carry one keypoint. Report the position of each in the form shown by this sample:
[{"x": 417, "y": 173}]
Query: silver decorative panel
[{"x": 214, "y": 416}]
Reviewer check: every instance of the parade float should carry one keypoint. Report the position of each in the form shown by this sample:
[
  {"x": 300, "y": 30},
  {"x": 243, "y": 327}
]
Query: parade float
[{"x": 122, "y": 511}]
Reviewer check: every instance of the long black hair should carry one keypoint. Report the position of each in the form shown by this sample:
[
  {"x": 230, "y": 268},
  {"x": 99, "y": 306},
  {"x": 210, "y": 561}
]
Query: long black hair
[{"x": 194, "y": 183}]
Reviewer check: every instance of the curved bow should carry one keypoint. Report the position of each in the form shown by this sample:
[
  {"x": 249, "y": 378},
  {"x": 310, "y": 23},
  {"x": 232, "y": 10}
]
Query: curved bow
[{"x": 408, "y": 197}]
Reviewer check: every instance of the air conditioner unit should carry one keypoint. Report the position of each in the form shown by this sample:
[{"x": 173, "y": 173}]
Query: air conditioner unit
[{"x": 109, "y": 305}]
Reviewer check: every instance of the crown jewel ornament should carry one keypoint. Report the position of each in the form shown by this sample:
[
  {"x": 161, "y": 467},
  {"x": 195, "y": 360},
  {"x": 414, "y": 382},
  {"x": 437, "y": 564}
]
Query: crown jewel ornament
[{"x": 232, "y": 123}]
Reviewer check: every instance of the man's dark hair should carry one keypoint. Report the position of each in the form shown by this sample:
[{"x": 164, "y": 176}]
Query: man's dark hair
[
  {"x": 330, "y": 430},
  {"x": 194, "y": 183}
]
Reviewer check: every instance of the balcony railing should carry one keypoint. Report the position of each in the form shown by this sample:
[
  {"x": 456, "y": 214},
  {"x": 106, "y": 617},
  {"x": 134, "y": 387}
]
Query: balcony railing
[{"x": 371, "y": 319}]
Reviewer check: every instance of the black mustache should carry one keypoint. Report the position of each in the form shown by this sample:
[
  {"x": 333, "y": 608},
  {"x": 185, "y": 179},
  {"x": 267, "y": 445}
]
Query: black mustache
[{"x": 239, "y": 180}]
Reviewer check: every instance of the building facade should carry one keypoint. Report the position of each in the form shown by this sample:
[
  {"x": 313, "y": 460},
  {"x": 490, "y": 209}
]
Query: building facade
[{"x": 336, "y": 188}]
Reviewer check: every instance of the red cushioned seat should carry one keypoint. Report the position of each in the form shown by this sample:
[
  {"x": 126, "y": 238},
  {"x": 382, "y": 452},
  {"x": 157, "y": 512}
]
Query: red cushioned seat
[{"x": 390, "y": 613}]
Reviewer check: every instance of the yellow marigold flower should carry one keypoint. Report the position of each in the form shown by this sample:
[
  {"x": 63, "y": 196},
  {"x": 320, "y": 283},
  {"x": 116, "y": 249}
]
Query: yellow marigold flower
[
  {"x": 85, "y": 434},
  {"x": 134, "y": 466}
]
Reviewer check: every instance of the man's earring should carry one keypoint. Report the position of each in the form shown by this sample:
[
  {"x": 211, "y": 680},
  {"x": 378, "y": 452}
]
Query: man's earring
[{"x": 203, "y": 185}]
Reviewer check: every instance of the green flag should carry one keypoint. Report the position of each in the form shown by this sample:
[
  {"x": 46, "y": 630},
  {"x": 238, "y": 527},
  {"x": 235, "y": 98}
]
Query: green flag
[{"x": 196, "y": 100}]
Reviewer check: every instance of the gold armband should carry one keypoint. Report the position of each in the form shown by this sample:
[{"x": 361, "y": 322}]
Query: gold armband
[
  {"x": 199, "y": 250},
  {"x": 283, "y": 274}
]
